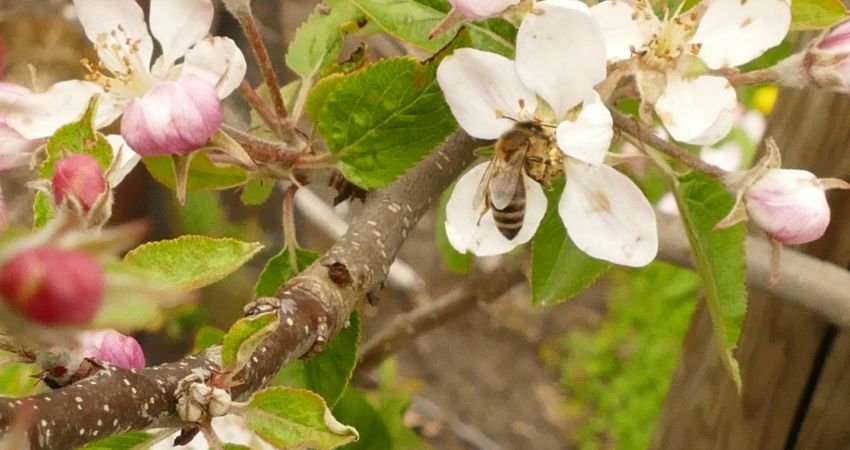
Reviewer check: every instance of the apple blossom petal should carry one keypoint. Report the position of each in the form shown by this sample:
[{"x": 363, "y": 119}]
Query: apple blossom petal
[
  {"x": 219, "y": 61},
  {"x": 619, "y": 28},
  {"x": 607, "y": 216},
  {"x": 560, "y": 53},
  {"x": 480, "y": 9},
  {"x": 790, "y": 205},
  {"x": 15, "y": 150},
  {"x": 172, "y": 118},
  {"x": 589, "y": 136},
  {"x": 732, "y": 32},
  {"x": 179, "y": 24},
  {"x": 727, "y": 157},
  {"x": 480, "y": 86},
  {"x": 698, "y": 111},
  {"x": 100, "y": 18},
  {"x": 468, "y": 231},
  {"x": 38, "y": 115},
  {"x": 124, "y": 159}
]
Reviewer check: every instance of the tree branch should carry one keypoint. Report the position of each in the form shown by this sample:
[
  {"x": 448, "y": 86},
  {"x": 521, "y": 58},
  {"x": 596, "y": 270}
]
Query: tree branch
[{"x": 314, "y": 307}]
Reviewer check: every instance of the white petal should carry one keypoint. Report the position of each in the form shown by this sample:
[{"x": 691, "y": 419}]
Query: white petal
[
  {"x": 478, "y": 86},
  {"x": 589, "y": 137},
  {"x": 621, "y": 31},
  {"x": 125, "y": 159},
  {"x": 100, "y": 18},
  {"x": 219, "y": 61},
  {"x": 479, "y": 9},
  {"x": 178, "y": 25},
  {"x": 468, "y": 232},
  {"x": 38, "y": 115},
  {"x": 698, "y": 111},
  {"x": 727, "y": 157},
  {"x": 607, "y": 216},
  {"x": 560, "y": 53},
  {"x": 733, "y": 32}
]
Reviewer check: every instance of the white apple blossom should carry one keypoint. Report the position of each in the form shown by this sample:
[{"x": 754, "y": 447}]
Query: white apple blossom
[
  {"x": 559, "y": 58},
  {"x": 675, "y": 56},
  {"x": 126, "y": 71}
]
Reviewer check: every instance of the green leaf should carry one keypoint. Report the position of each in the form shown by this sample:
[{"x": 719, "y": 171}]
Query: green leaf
[
  {"x": 294, "y": 418},
  {"x": 235, "y": 447},
  {"x": 257, "y": 191},
  {"x": 320, "y": 93},
  {"x": 354, "y": 409},
  {"x": 384, "y": 119},
  {"x": 127, "y": 441},
  {"x": 816, "y": 14},
  {"x": 206, "y": 337},
  {"x": 412, "y": 21},
  {"x": 77, "y": 137},
  {"x": 317, "y": 41},
  {"x": 201, "y": 213},
  {"x": 278, "y": 271},
  {"x": 455, "y": 261},
  {"x": 132, "y": 299},
  {"x": 329, "y": 372},
  {"x": 720, "y": 259},
  {"x": 243, "y": 338},
  {"x": 559, "y": 270},
  {"x": 192, "y": 262},
  {"x": 203, "y": 174},
  {"x": 17, "y": 379},
  {"x": 42, "y": 209}
]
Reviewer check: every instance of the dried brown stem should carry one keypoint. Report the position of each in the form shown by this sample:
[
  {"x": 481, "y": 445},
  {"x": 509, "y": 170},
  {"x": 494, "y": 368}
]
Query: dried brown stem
[{"x": 316, "y": 304}]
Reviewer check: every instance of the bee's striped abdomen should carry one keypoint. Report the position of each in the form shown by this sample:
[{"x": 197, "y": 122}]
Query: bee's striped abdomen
[{"x": 509, "y": 219}]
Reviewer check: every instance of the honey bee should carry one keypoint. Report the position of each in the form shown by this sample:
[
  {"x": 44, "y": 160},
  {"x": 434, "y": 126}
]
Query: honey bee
[{"x": 523, "y": 149}]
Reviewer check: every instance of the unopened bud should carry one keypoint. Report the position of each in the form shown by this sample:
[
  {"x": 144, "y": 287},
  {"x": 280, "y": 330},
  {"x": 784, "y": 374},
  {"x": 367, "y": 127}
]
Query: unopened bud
[
  {"x": 173, "y": 118},
  {"x": 78, "y": 177},
  {"x": 188, "y": 410},
  {"x": 790, "y": 205},
  {"x": 53, "y": 286},
  {"x": 200, "y": 393},
  {"x": 113, "y": 347},
  {"x": 828, "y": 60},
  {"x": 219, "y": 402}
]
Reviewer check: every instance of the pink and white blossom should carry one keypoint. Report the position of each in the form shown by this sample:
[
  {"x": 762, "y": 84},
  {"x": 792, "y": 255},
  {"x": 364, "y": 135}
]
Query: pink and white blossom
[
  {"x": 15, "y": 149},
  {"x": 672, "y": 57},
  {"x": 789, "y": 205},
  {"x": 480, "y": 9},
  {"x": 827, "y": 62},
  {"x": 126, "y": 70}
]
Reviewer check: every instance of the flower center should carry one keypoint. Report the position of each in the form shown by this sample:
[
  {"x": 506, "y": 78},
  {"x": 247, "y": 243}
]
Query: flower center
[
  {"x": 669, "y": 39},
  {"x": 120, "y": 70}
]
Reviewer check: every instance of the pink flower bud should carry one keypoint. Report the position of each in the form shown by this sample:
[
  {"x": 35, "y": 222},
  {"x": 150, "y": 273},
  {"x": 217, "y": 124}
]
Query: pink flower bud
[
  {"x": 113, "y": 347},
  {"x": 479, "y": 9},
  {"x": 173, "y": 118},
  {"x": 790, "y": 205},
  {"x": 53, "y": 286},
  {"x": 80, "y": 177},
  {"x": 828, "y": 61}
]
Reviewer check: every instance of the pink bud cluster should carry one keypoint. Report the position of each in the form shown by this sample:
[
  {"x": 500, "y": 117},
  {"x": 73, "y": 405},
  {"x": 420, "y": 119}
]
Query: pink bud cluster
[{"x": 113, "y": 347}]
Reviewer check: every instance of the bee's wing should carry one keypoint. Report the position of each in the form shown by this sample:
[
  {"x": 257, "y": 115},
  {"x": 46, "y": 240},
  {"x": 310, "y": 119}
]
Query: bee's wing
[
  {"x": 506, "y": 180},
  {"x": 481, "y": 201}
]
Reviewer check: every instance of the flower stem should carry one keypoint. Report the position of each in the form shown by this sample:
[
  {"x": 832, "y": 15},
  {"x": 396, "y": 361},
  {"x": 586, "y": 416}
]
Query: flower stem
[
  {"x": 644, "y": 134},
  {"x": 760, "y": 76},
  {"x": 289, "y": 235},
  {"x": 260, "y": 106},
  {"x": 261, "y": 53}
]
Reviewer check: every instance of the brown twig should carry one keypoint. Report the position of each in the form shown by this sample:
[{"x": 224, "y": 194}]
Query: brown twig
[{"x": 644, "y": 134}]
